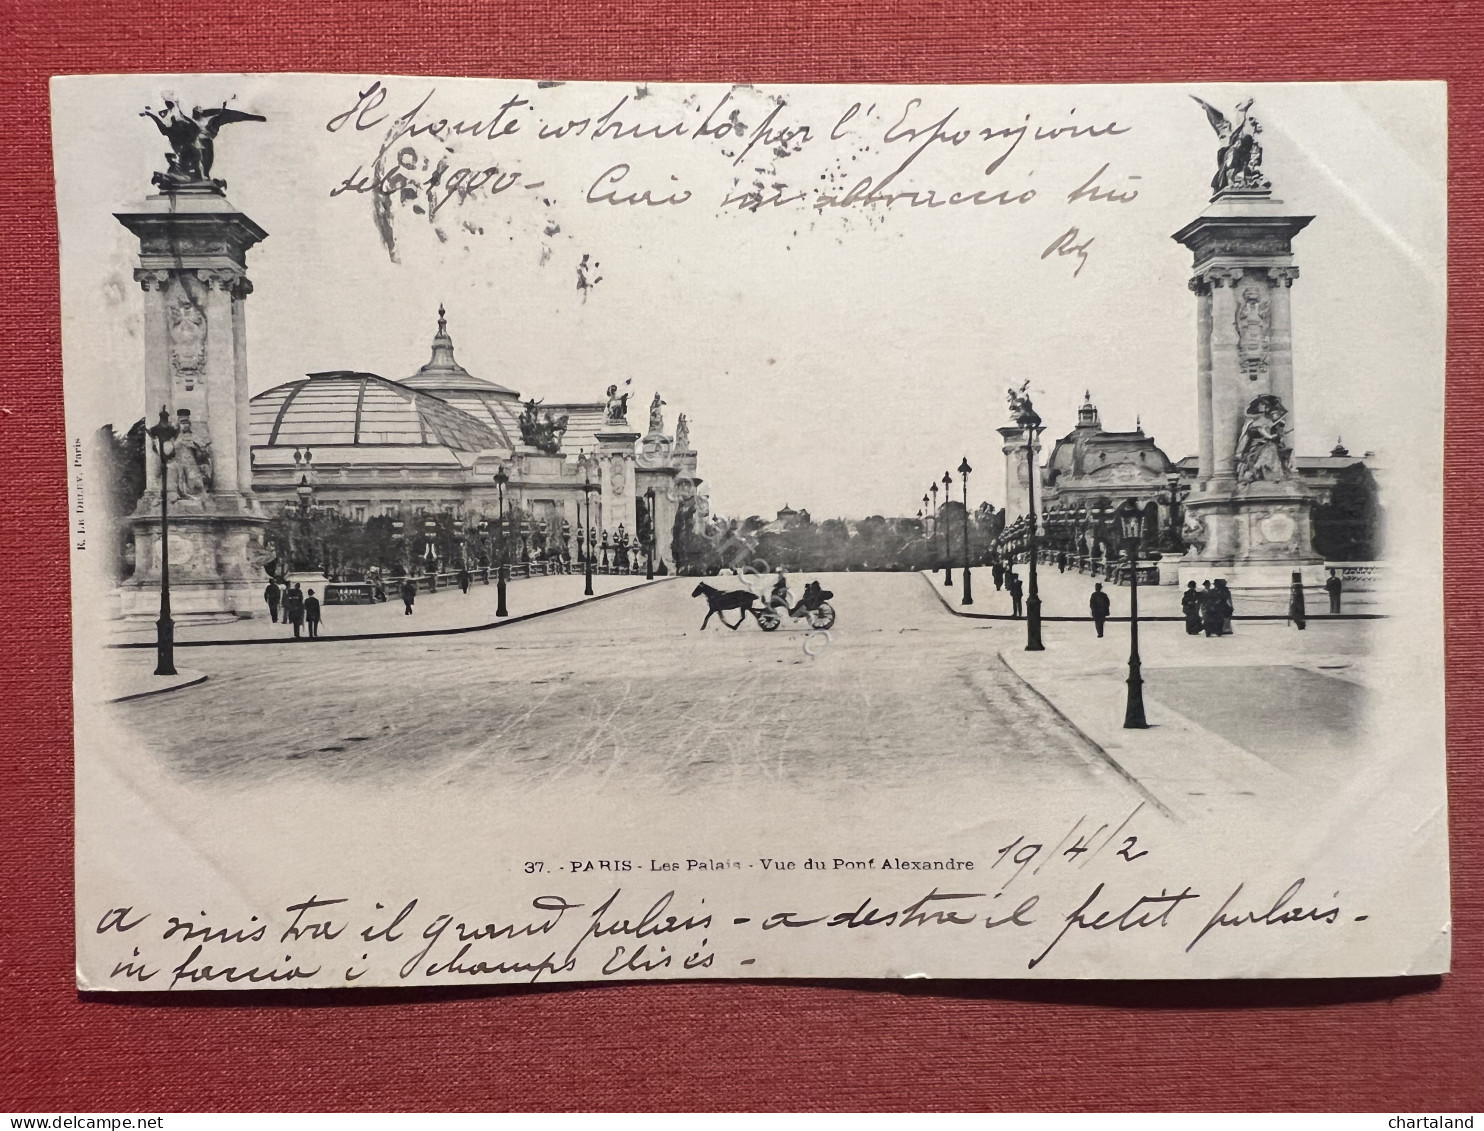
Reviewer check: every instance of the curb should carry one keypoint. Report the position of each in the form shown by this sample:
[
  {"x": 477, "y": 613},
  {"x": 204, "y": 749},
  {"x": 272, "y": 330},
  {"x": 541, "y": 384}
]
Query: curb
[
  {"x": 1113, "y": 762},
  {"x": 402, "y": 635},
  {"x": 158, "y": 690},
  {"x": 1142, "y": 618}
]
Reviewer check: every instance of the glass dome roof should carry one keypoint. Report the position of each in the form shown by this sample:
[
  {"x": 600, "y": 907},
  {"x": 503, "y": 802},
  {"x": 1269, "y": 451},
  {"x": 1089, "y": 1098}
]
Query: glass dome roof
[{"x": 346, "y": 408}]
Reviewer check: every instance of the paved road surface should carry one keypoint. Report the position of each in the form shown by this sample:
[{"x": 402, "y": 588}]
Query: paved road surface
[{"x": 903, "y": 696}]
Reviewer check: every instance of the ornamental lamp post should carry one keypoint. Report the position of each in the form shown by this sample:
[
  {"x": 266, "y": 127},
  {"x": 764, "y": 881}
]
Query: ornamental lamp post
[
  {"x": 162, "y": 434},
  {"x": 430, "y": 544},
  {"x": 306, "y": 515},
  {"x": 501, "y": 478},
  {"x": 588, "y": 487},
  {"x": 963, "y": 477},
  {"x": 934, "y": 513},
  {"x": 1130, "y": 520},
  {"x": 1030, "y": 422},
  {"x": 649, "y": 563},
  {"x": 1172, "y": 496},
  {"x": 947, "y": 553},
  {"x": 399, "y": 544}
]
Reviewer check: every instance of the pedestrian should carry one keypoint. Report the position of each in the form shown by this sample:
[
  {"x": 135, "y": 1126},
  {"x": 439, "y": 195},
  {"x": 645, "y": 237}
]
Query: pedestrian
[
  {"x": 1012, "y": 582},
  {"x": 464, "y": 578},
  {"x": 293, "y": 608},
  {"x": 409, "y": 594},
  {"x": 1211, "y": 618},
  {"x": 1099, "y": 604},
  {"x": 997, "y": 571},
  {"x": 311, "y": 614},
  {"x": 1296, "y": 601},
  {"x": 1061, "y": 562},
  {"x": 270, "y": 594},
  {"x": 1332, "y": 587},
  {"x": 1224, "y": 600},
  {"x": 1192, "y": 604}
]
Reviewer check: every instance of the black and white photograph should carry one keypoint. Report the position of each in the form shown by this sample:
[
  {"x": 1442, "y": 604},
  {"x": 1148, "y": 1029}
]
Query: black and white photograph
[{"x": 534, "y": 531}]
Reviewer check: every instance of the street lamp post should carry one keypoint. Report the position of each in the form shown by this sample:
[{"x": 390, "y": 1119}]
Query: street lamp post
[
  {"x": 1173, "y": 495},
  {"x": 947, "y": 552},
  {"x": 649, "y": 564},
  {"x": 934, "y": 513},
  {"x": 588, "y": 487},
  {"x": 399, "y": 544},
  {"x": 1031, "y": 423},
  {"x": 501, "y": 478},
  {"x": 963, "y": 477},
  {"x": 1131, "y": 523},
  {"x": 163, "y": 434}
]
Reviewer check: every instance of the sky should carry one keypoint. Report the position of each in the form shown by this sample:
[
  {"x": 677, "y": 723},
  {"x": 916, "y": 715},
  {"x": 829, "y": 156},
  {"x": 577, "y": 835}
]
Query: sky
[{"x": 829, "y": 353}]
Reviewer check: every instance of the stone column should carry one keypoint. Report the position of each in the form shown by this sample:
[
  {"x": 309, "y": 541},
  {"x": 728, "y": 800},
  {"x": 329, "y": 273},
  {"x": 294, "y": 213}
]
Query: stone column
[
  {"x": 1206, "y": 442},
  {"x": 1280, "y": 352},
  {"x": 1227, "y": 396},
  {"x": 193, "y": 273},
  {"x": 616, "y": 458}
]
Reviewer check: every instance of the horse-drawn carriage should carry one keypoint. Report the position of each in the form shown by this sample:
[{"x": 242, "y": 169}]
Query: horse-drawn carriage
[{"x": 814, "y": 606}]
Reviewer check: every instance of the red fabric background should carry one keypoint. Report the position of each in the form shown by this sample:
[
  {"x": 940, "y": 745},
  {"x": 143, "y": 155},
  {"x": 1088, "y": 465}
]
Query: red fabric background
[{"x": 1381, "y": 1045}]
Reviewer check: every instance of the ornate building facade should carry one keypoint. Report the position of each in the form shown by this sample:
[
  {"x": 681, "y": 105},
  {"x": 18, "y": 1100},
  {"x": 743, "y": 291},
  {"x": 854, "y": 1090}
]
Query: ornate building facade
[
  {"x": 1091, "y": 472},
  {"x": 435, "y": 442}
]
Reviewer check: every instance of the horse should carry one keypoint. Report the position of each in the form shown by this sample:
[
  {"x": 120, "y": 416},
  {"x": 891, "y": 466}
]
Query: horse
[{"x": 718, "y": 599}]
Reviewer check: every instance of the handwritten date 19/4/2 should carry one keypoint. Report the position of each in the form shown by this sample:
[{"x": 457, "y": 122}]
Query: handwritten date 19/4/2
[{"x": 1084, "y": 841}]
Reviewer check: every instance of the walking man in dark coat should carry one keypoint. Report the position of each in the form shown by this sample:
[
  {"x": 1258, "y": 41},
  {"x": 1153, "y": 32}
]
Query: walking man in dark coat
[
  {"x": 1332, "y": 587},
  {"x": 293, "y": 608},
  {"x": 1099, "y": 604},
  {"x": 409, "y": 594},
  {"x": 464, "y": 578},
  {"x": 1012, "y": 582},
  {"x": 1061, "y": 562},
  {"x": 311, "y": 614},
  {"x": 997, "y": 571},
  {"x": 1192, "y": 604},
  {"x": 270, "y": 594}
]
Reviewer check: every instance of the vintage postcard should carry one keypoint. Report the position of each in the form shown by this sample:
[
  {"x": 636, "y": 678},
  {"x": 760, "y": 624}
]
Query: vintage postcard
[{"x": 539, "y": 531}]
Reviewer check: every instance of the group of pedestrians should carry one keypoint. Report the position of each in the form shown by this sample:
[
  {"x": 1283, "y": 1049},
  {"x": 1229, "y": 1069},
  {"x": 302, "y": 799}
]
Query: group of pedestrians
[
  {"x": 1208, "y": 608},
  {"x": 299, "y": 609}
]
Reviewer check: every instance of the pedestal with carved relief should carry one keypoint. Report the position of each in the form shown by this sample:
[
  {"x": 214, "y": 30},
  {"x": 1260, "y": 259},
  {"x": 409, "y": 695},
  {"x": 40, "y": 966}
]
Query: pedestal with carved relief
[{"x": 1248, "y": 524}]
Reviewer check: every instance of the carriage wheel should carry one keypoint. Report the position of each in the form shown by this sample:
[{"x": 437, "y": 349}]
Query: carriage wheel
[
  {"x": 822, "y": 617},
  {"x": 768, "y": 620}
]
